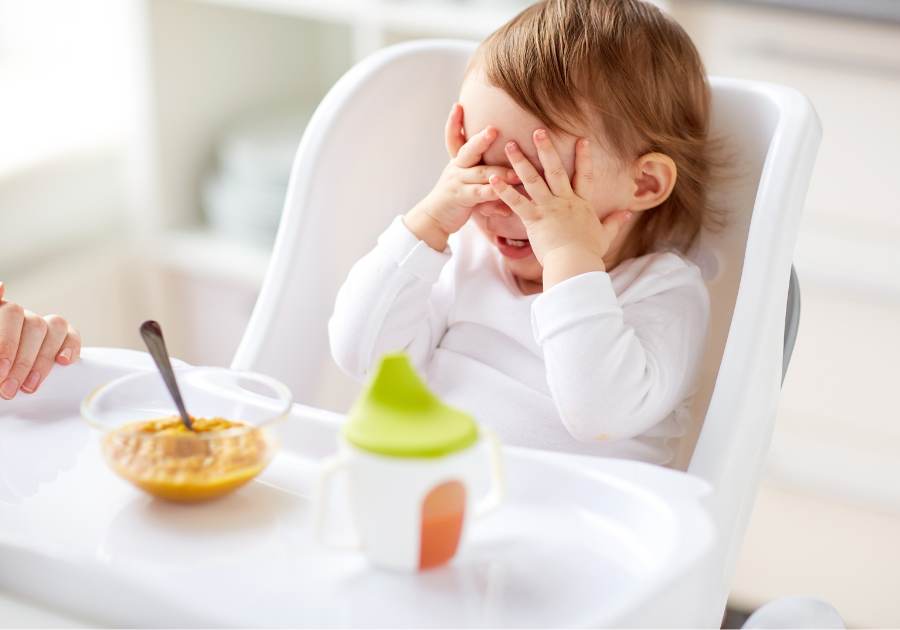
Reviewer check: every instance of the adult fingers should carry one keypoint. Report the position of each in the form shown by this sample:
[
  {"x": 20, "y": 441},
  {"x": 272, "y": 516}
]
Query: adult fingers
[
  {"x": 454, "y": 135},
  {"x": 57, "y": 329},
  {"x": 2, "y": 289},
  {"x": 34, "y": 330},
  {"x": 531, "y": 179},
  {"x": 482, "y": 174},
  {"x": 583, "y": 182},
  {"x": 470, "y": 153},
  {"x": 511, "y": 197},
  {"x": 71, "y": 347},
  {"x": 614, "y": 222},
  {"x": 554, "y": 172},
  {"x": 12, "y": 316}
]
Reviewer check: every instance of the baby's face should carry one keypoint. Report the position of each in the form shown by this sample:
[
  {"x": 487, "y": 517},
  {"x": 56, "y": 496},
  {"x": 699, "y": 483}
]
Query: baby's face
[{"x": 484, "y": 105}]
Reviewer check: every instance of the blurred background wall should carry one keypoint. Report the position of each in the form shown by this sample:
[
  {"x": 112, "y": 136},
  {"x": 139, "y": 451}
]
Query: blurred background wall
[
  {"x": 143, "y": 148},
  {"x": 66, "y": 95}
]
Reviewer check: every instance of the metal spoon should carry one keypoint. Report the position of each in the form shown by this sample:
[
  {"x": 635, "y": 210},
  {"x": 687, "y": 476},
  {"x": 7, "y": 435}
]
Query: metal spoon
[{"x": 153, "y": 337}]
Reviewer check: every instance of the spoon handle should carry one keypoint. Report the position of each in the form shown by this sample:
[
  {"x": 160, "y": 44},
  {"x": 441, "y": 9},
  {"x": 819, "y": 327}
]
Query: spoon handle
[{"x": 153, "y": 337}]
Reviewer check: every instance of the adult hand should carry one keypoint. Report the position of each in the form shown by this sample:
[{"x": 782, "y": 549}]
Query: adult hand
[{"x": 30, "y": 345}]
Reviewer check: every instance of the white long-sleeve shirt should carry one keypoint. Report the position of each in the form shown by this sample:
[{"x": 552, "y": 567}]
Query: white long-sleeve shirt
[{"x": 602, "y": 363}]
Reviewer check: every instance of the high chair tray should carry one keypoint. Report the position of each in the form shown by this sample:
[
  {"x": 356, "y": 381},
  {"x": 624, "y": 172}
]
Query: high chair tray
[{"x": 580, "y": 541}]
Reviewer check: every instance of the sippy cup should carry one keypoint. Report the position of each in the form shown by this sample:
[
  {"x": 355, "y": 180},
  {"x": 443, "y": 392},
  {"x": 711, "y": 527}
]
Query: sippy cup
[{"x": 412, "y": 467}]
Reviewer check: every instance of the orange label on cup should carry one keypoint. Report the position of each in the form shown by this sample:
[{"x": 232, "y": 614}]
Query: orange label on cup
[{"x": 442, "y": 518}]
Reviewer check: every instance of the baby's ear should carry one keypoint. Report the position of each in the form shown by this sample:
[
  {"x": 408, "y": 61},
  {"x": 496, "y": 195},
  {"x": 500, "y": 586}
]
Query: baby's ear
[{"x": 654, "y": 178}]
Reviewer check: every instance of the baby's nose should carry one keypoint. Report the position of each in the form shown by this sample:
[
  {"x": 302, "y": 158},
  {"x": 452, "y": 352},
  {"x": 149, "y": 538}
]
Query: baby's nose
[{"x": 494, "y": 208}]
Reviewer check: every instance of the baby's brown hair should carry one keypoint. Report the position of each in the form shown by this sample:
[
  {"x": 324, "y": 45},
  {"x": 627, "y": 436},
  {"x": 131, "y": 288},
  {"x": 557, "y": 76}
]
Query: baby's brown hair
[{"x": 627, "y": 72}]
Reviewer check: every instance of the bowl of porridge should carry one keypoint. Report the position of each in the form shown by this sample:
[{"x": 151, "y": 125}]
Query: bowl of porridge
[{"x": 235, "y": 430}]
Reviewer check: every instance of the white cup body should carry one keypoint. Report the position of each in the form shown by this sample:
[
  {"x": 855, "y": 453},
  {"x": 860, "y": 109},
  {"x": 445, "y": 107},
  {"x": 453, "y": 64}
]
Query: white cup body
[{"x": 387, "y": 495}]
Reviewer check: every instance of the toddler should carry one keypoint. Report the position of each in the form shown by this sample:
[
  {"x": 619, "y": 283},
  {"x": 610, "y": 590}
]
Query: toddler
[{"x": 542, "y": 284}]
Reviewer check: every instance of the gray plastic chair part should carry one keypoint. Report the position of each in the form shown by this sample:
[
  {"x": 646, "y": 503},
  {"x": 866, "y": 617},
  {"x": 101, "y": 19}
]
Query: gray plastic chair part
[
  {"x": 791, "y": 321},
  {"x": 795, "y": 611}
]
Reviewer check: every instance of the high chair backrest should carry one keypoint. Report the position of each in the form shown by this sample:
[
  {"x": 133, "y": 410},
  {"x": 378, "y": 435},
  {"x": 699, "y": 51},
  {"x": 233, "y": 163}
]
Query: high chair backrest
[{"x": 375, "y": 147}]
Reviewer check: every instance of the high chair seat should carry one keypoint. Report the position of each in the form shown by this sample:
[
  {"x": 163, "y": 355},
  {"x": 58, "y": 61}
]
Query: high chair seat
[{"x": 375, "y": 147}]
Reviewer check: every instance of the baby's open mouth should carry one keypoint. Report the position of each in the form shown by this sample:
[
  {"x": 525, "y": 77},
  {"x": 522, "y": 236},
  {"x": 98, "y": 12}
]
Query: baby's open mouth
[
  {"x": 513, "y": 242},
  {"x": 514, "y": 248}
]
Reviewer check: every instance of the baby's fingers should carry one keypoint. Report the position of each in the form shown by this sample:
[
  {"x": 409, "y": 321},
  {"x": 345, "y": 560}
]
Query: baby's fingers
[
  {"x": 473, "y": 194},
  {"x": 583, "y": 182},
  {"x": 454, "y": 135},
  {"x": 470, "y": 153},
  {"x": 531, "y": 179},
  {"x": 614, "y": 222},
  {"x": 482, "y": 175},
  {"x": 511, "y": 197},
  {"x": 554, "y": 172}
]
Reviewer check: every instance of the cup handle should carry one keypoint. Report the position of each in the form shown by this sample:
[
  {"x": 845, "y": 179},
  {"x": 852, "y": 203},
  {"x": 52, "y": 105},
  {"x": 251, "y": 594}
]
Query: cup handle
[
  {"x": 327, "y": 470},
  {"x": 498, "y": 476}
]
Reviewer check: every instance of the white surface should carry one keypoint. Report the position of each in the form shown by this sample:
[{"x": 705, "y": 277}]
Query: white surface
[
  {"x": 581, "y": 541},
  {"x": 773, "y": 133},
  {"x": 796, "y": 611},
  {"x": 18, "y": 613}
]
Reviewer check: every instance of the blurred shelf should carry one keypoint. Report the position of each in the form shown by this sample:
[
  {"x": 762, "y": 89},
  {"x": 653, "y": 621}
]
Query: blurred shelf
[
  {"x": 59, "y": 205},
  {"x": 876, "y": 10},
  {"x": 203, "y": 253},
  {"x": 462, "y": 18}
]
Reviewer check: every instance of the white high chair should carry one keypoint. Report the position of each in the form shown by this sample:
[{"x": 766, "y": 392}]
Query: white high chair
[{"x": 344, "y": 192}]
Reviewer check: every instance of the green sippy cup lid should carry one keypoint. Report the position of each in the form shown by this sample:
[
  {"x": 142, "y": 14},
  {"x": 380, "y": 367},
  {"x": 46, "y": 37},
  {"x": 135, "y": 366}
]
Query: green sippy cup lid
[{"x": 397, "y": 415}]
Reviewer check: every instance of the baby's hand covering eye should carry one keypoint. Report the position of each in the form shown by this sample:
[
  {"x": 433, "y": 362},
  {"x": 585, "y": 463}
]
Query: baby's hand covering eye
[
  {"x": 466, "y": 156},
  {"x": 560, "y": 219},
  {"x": 464, "y": 184}
]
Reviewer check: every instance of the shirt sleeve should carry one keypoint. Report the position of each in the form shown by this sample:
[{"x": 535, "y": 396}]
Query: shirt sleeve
[
  {"x": 390, "y": 301},
  {"x": 615, "y": 372}
]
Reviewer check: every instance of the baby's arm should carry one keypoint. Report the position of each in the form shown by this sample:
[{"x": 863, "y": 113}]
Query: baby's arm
[
  {"x": 390, "y": 302},
  {"x": 616, "y": 372},
  {"x": 392, "y": 299},
  {"x": 30, "y": 345}
]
